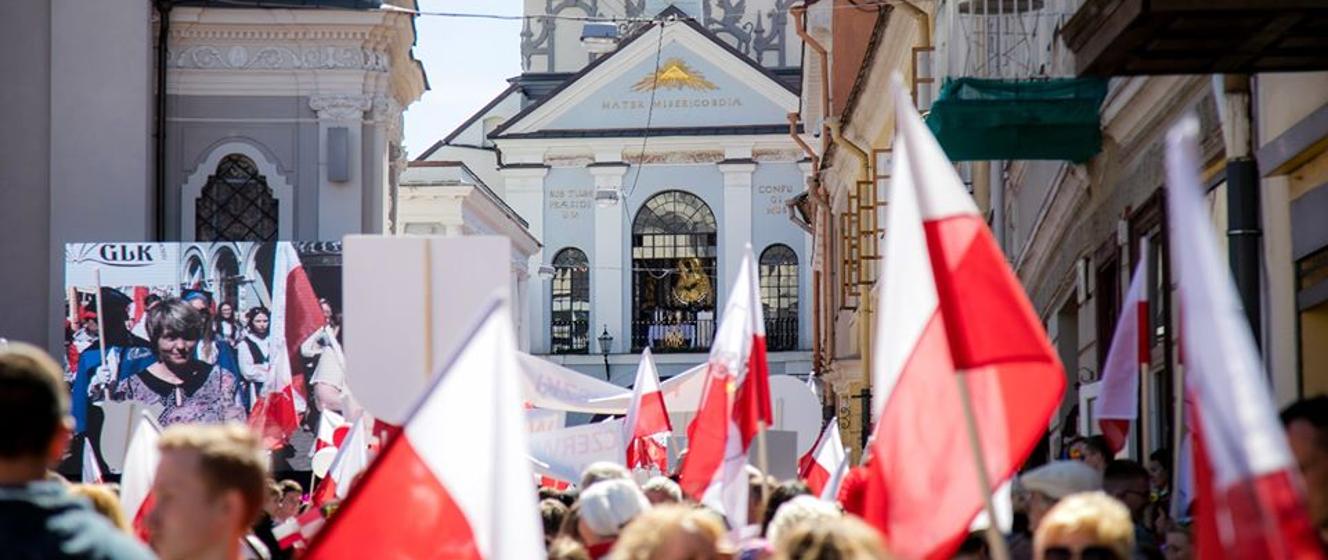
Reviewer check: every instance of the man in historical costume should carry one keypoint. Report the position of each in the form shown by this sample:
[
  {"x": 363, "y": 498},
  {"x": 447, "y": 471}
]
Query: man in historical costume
[
  {"x": 255, "y": 351},
  {"x": 125, "y": 354}
]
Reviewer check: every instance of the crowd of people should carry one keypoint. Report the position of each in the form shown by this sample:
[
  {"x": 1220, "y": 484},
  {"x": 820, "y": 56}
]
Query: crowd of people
[{"x": 213, "y": 496}]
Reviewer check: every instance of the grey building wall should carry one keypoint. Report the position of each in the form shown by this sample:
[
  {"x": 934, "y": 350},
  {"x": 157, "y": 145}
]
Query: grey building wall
[
  {"x": 25, "y": 195},
  {"x": 283, "y": 128}
]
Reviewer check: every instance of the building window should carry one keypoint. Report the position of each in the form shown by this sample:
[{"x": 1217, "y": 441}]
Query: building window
[
  {"x": 236, "y": 204},
  {"x": 779, "y": 296},
  {"x": 570, "y": 325},
  {"x": 673, "y": 274}
]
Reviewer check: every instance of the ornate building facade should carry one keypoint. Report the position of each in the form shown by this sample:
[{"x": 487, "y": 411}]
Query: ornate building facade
[{"x": 645, "y": 172}]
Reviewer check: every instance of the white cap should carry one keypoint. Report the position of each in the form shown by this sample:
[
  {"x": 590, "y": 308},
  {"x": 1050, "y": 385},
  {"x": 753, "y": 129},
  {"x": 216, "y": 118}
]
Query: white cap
[
  {"x": 1059, "y": 479},
  {"x": 608, "y": 505}
]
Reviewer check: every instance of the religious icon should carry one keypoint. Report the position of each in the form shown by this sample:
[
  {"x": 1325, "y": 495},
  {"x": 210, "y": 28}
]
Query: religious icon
[{"x": 693, "y": 286}]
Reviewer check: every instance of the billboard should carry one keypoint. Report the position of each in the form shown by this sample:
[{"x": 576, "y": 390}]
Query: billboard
[{"x": 186, "y": 332}]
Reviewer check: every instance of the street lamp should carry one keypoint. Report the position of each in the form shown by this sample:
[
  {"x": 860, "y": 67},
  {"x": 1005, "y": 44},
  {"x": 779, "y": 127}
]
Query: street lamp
[{"x": 605, "y": 344}]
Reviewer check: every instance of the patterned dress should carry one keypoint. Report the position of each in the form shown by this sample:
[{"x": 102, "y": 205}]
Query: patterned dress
[{"x": 206, "y": 395}]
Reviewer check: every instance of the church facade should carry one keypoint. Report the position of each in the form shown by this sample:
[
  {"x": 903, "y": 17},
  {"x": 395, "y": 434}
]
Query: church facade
[{"x": 646, "y": 174}]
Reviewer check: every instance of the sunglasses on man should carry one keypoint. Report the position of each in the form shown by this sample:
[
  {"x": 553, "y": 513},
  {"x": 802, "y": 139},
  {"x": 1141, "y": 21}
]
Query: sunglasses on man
[{"x": 1086, "y": 553}]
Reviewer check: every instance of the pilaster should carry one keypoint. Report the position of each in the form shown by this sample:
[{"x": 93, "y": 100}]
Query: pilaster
[{"x": 607, "y": 274}]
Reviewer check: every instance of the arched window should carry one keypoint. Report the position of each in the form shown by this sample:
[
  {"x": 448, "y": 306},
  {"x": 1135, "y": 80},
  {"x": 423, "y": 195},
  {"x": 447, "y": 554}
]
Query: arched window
[
  {"x": 194, "y": 273},
  {"x": 779, "y": 296},
  {"x": 236, "y": 204},
  {"x": 673, "y": 274},
  {"x": 570, "y": 324}
]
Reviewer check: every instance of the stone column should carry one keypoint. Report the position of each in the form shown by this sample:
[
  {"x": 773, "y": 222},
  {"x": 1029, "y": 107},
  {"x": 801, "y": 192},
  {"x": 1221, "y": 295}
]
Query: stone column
[
  {"x": 525, "y": 193},
  {"x": 735, "y": 226},
  {"x": 340, "y": 204},
  {"x": 607, "y": 275}
]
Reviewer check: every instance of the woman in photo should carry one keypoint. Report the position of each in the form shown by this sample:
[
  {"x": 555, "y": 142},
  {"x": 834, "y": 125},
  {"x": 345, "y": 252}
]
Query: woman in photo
[{"x": 187, "y": 389}]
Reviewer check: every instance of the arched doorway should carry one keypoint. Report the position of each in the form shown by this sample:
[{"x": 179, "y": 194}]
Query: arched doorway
[
  {"x": 226, "y": 272},
  {"x": 673, "y": 274},
  {"x": 236, "y": 204}
]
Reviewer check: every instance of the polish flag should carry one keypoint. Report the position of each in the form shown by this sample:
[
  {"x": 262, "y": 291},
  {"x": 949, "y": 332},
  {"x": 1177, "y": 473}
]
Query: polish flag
[
  {"x": 332, "y": 429},
  {"x": 949, "y": 307},
  {"x": 295, "y": 316},
  {"x": 91, "y": 470},
  {"x": 735, "y": 403},
  {"x": 823, "y": 460},
  {"x": 300, "y": 529},
  {"x": 457, "y": 482},
  {"x": 647, "y": 428},
  {"x": 1127, "y": 361},
  {"x": 140, "y": 470},
  {"x": 352, "y": 458},
  {"x": 1250, "y": 500}
]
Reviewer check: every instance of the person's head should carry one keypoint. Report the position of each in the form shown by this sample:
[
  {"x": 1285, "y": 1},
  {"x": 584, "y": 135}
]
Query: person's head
[
  {"x": 601, "y": 471},
  {"x": 1087, "y": 526},
  {"x": 1127, "y": 481},
  {"x": 259, "y": 320},
  {"x": 552, "y": 513},
  {"x": 779, "y": 496},
  {"x": 272, "y": 499},
  {"x": 1177, "y": 545},
  {"x": 226, "y": 311},
  {"x": 1047, "y": 484},
  {"x": 104, "y": 501},
  {"x": 607, "y": 507},
  {"x": 174, "y": 329},
  {"x": 289, "y": 504},
  {"x": 845, "y": 538},
  {"x": 326, "y": 306},
  {"x": 567, "y": 548},
  {"x": 758, "y": 486},
  {"x": 1306, "y": 423},
  {"x": 571, "y": 523},
  {"x": 660, "y": 490},
  {"x": 151, "y": 301},
  {"x": 209, "y": 489},
  {"x": 1159, "y": 468},
  {"x": 798, "y": 511},
  {"x": 34, "y": 408},
  {"x": 671, "y": 532},
  {"x": 1092, "y": 450}
]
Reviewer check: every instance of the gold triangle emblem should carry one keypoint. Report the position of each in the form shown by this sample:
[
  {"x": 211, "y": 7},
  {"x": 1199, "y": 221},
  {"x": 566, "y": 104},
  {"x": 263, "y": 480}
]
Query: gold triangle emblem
[{"x": 674, "y": 73}]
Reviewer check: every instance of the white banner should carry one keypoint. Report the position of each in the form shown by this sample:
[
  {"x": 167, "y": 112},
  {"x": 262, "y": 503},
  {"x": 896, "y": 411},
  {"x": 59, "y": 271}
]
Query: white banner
[
  {"x": 539, "y": 420},
  {"x": 564, "y": 453},
  {"x": 123, "y": 264},
  {"x": 549, "y": 385}
]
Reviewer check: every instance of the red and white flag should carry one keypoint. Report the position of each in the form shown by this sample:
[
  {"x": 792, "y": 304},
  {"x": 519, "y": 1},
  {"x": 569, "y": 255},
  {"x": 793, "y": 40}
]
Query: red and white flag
[
  {"x": 949, "y": 306},
  {"x": 296, "y": 315},
  {"x": 1126, "y": 361},
  {"x": 647, "y": 428},
  {"x": 735, "y": 403},
  {"x": 1250, "y": 500},
  {"x": 91, "y": 470},
  {"x": 352, "y": 458},
  {"x": 140, "y": 471},
  {"x": 456, "y": 483},
  {"x": 332, "y": 429},
  {"x": 300, "y": 529},
  {"x": 820, "y": 464}
]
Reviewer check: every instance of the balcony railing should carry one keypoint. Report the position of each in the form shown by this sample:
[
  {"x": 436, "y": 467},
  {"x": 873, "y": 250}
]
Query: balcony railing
[
  {"x": 781, "y": 334},
  {"x": 688, "y": 334}
]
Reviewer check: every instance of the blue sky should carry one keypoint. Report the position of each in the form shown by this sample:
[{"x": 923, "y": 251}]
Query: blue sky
[{"x": 467, "y": 60}]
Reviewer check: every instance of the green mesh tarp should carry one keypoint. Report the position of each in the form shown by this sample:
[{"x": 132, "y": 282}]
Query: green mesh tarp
[{"x": 979, "y": 119}]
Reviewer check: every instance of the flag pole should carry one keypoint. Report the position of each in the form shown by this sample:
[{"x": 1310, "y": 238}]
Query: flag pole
[
  {"x": 763, "y": 460},
  {"x": 101, "y": 328},
  {"x": 1144, "y": 423},
  {"x": 994, "y": 539}
]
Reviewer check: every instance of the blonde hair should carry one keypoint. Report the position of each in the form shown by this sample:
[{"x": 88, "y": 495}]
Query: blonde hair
[
  {"x": 104, "y": 501},
  {"x": 643, "y": 537},
  {"x": 845, "y": 538},
  {"x": 801, "y": 510},
  {"x": 564, "y": 548},
  {"x": 1092, "y": 514},
  {"x": 230, "y": 458}
]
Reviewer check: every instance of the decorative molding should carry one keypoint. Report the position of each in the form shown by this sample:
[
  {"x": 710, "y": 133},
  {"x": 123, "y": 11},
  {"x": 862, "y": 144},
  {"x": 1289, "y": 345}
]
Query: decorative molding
[
  {"x": 340, "y": 107},
  {"x": 277, "y": 57}
]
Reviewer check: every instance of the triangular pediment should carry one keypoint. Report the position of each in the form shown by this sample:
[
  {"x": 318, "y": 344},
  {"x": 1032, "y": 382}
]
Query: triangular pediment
[{"x": 682, "y": 78}]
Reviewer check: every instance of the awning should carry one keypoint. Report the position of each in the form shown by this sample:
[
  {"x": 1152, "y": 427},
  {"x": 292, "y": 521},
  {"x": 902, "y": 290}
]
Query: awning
[{"x": 979, "y": 119}]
